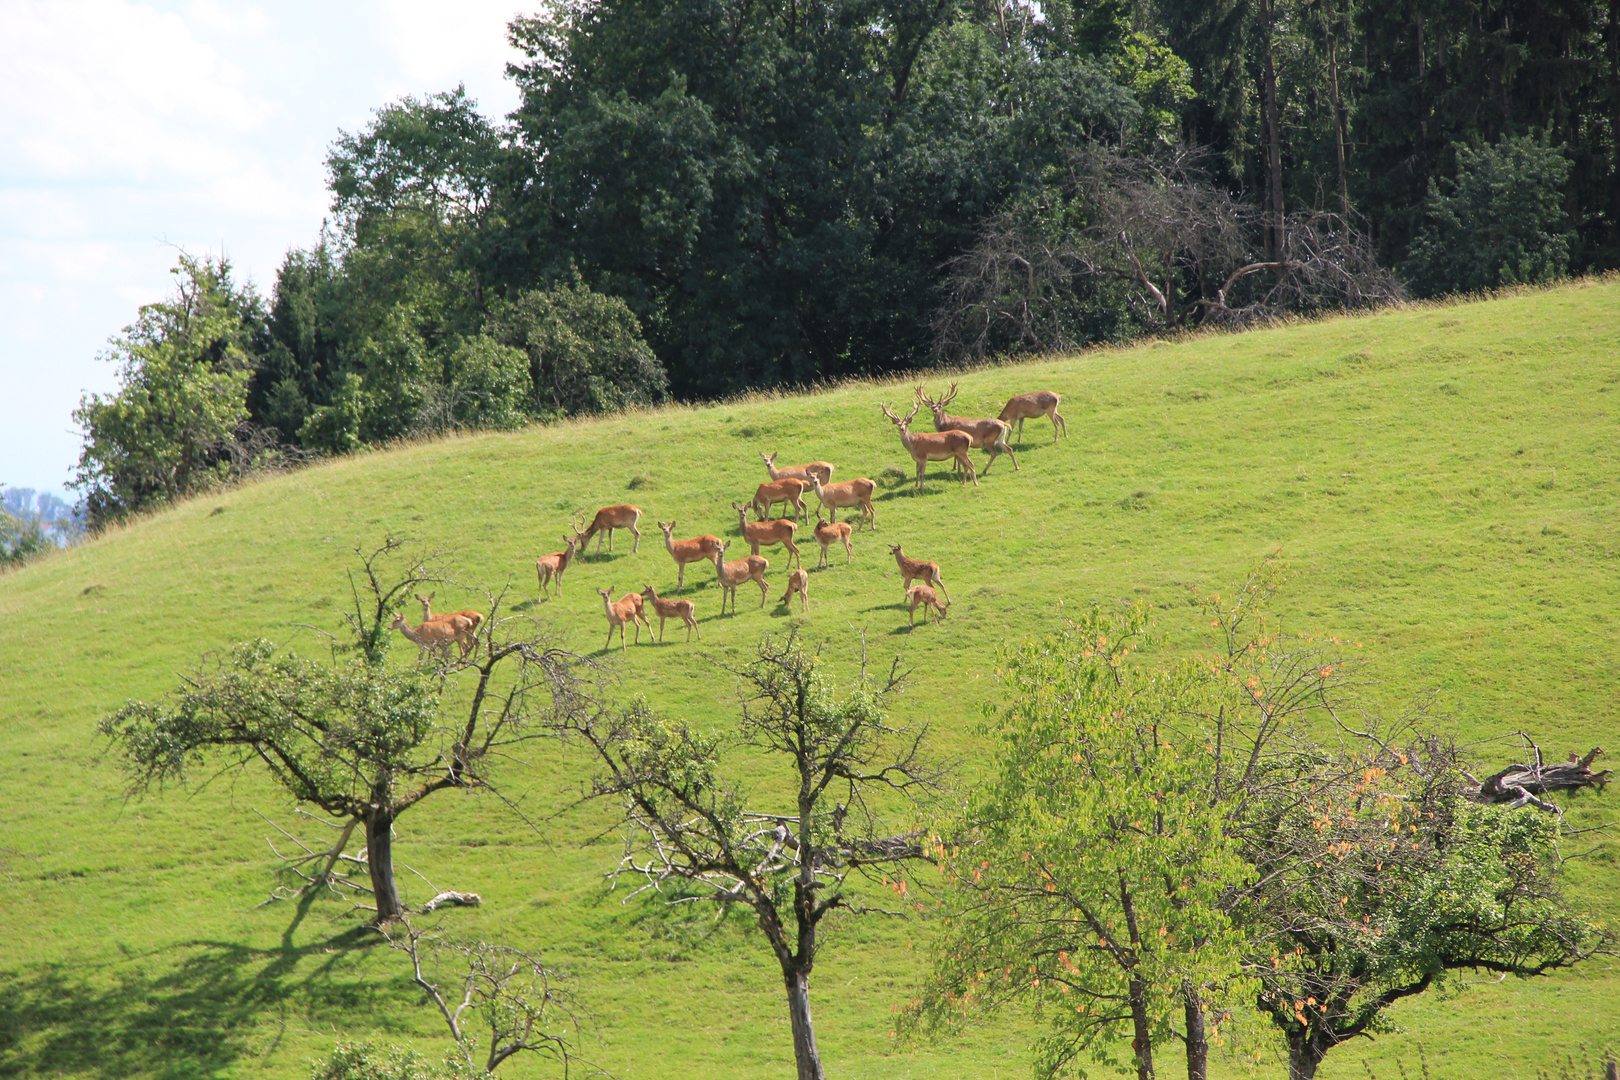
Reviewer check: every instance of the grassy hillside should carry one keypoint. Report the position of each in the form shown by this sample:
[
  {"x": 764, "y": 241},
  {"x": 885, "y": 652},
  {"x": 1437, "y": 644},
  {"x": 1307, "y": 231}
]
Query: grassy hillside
[{"x": 1442, "y": 481}]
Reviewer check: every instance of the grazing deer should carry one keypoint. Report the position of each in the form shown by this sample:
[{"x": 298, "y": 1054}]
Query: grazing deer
[
  {"x": 828, "y": 533},
  {"x": 823, "y": 469},
  {"x": 609, "y": 518},
  {"x": 798, "y": 582},
  {"x": 847, "y": 493},
  {"x": 434, "y": 635},
  {"x": 987, "y": 434},
  {"x": 787, "y": 492},
  {"x": 935, "y": 446},
  {"x": 1028, "y": 406},
  {"x": 627, "y": 609},
  {"x": 550, "y": 567},
  {"x": 732, "y": 574},
  {"x": 698, "y": 549},
  {"x": 684, "y": 610},
  {"x": 922, "y": 594},
  {"x": 756, "y": 533},
  {"x": 469, "y": 619},
  {"x": 927, "y": 572}
]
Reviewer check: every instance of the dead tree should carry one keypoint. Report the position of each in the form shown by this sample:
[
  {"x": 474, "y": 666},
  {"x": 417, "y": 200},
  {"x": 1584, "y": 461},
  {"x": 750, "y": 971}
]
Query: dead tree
[{"x": 1525, "y": 785}]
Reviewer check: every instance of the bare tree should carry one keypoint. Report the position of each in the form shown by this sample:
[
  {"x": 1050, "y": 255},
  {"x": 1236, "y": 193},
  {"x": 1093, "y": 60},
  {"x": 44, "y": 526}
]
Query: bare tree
[
  {"x": 1154, "y": 236},
  {"x": 695, "y": 836}
]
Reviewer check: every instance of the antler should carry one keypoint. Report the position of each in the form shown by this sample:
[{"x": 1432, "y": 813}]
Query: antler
[
  {"x": 887, "y": 413},
  {"x": 950, "y": 397}
]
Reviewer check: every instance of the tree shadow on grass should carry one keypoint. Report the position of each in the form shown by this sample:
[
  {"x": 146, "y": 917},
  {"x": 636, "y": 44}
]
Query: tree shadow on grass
[{"x": 188, "y": 1011}]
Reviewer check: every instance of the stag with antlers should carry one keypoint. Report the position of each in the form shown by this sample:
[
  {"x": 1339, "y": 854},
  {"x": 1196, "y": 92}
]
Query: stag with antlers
[
  {"x": 935, "y": 446},
  {"x": 986, "y": 433}
]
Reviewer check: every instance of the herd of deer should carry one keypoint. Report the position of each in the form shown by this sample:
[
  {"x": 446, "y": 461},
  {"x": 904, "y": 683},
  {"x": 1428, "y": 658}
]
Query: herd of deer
[{"x": 951, "y": 440}]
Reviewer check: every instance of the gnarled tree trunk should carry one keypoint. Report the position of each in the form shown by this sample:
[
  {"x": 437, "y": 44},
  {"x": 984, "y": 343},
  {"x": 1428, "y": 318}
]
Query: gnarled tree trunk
[
  {"x": 380, "y": 862},
  {"x": 805, "y": 1054}
]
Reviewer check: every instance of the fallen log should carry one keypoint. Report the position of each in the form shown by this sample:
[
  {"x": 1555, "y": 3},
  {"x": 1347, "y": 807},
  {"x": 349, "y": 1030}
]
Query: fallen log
[{"x": 1525, "y": 785}]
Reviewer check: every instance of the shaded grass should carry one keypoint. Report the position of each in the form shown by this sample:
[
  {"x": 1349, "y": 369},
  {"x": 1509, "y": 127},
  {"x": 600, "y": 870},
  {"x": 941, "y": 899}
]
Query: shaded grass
[{"x": 1441, "y": 480}]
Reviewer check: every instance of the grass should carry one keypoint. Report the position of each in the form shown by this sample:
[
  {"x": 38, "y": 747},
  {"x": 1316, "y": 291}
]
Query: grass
[{"x": 1442, "y": 481}]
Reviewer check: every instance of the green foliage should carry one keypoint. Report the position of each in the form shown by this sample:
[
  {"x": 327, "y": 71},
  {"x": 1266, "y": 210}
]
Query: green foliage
[
  {"x": 1090, "y": 877},
  {"x": 1500, "y": 222},
  {"x": 174, "y": 426},
  {"x": 367, "y": 1061},
  {"x": 583, "y": 352},
  {"x": 489, "y": 385},
  {"x": 20, "y": 539}
]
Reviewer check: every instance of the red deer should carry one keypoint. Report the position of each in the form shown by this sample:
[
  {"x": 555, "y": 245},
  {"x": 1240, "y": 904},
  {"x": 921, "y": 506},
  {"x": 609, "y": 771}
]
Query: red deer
[
  {"x": 627, "y": 609},
  {"x": 756, "y": 533},
  {"x": 698, "y": 549},
  {"x": 938, "y": 446},
  {"x": 798, "y": 582},
  {"x": 788, "y": 492},
  {"x": 829, "y": 533},
  {"x": 927, "y": 572},
  {"x": 468, "y": 619},
  {"x": 848, "y": 493},
  {"x": 550, "y": 567},
  {"x": 684, "y": 610},
  {"x": 436, "y": 636},
  {"x": 823, "y": 469},
  {"x": 922, "y": 594},
  {"x": 734, "y": 573},
  {"x": 987, "y": 434},
  {"x": 1028, "y": 406},
  {"x": 609, "y": 518}
]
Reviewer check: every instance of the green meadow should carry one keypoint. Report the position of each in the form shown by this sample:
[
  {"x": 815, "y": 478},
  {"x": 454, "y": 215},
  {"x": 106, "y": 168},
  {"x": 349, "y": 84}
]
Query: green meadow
[{"x": 1443, "y": 483}]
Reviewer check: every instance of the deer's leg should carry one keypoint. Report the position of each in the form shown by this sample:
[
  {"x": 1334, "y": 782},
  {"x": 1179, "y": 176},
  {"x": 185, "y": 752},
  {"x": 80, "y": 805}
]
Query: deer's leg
[{"x": 793, "y": 549}]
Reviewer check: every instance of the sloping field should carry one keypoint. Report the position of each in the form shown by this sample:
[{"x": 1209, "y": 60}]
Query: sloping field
[{"x": 1443, "y": 482}]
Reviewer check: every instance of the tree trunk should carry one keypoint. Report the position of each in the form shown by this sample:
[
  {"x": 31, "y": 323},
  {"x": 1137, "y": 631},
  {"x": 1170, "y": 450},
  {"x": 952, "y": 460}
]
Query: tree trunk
[
  {"x": 805, "y": 1055},
  {"x": 1305, "y": 1053},
  {"x": 1338, "y": 130},
  {"x": 1197, "y": 1039},
  {"x": 1142, "y": 1044},
  {"x": 380, "y": 861},
  {"x": 1274, "y": 192}
]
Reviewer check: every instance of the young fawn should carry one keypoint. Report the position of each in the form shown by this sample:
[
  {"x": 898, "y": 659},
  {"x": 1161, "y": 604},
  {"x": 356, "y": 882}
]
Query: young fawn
[
  {"x": 928, "y": 598},
  {"x": 829, "y": 533},
  {"x": 798, "y": 582},
  {"x": 684, "y": 610}
]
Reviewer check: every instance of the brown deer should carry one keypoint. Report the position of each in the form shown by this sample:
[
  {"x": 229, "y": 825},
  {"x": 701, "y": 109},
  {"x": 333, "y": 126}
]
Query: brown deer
[
  {"x": 1028, "y": 406},
  {"x": 684, "y": 610},
  {"x": 798, "y": 582},
  {"x": 922, "y": 594},
  {"x": 627, "y": 609},
  {"x": 468, "y": 619},
  {"x": 823, "y": 469},
  {"x": 987, "y": 434},
  {"x": 756, "y": 533},
  {"x": 609, "y": 518},
  {"x": 734, "y": 573},
  {"x": 787, "y": 492},
  {"x": 550, "y": 567},
  {"x": 436, "y": 636},
  {"x": 935, "y": 446},
  {"x": 847, "y": 493},
  {"x": 911, "y": 569},
  {"x": 829, "y": 533},
  {"x": 698, "y": 549}
]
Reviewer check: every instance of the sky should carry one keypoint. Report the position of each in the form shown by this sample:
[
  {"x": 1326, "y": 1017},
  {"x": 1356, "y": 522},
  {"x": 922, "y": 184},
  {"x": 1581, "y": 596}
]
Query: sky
[{"x": 130, "y": 132}]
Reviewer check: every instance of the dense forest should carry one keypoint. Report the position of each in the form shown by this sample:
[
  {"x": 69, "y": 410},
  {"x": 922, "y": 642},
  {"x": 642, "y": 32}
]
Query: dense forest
[{"x": 700, "y": 196}]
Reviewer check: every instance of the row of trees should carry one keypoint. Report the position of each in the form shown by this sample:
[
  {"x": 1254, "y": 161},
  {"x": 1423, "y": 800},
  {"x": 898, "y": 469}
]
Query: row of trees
[
  {"x": 1157, "y": 849},
  {"x": 697, "y": 198}
]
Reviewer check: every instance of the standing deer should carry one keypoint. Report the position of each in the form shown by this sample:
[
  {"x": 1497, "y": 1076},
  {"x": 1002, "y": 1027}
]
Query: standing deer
[
  {"x": 823, "y": 469},
  {"x": 1028, "y": 406},
  {"x": 732, "y": 574},
  {"x": 550, "y": 567},
  {"x": 798, "y": 582},
  {"x": 935, "y": 446},
  {"x": 987, "y": 434},
  {"x": 436, "y": 636},
  {"x": 684, "y": 610},
  {"x": 847, "y": 493},
  {"x": 698, "y": 549},
  {"x": 788, "y": 492},
  {"x": 922, "y": 594},
  {"x": 609, "y": 518},
  {"x": 828, "y": 533},
  {"x": 927, "y": 572},
  {"x": 627, "y": 609},
  {"x": 469, "y": 619},
  {"x": 756, "y": 533}
]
